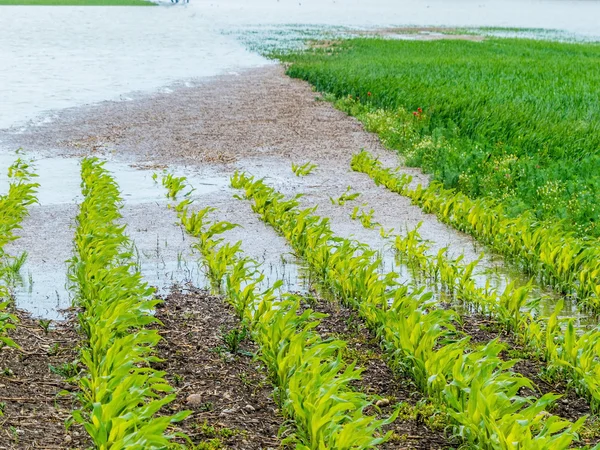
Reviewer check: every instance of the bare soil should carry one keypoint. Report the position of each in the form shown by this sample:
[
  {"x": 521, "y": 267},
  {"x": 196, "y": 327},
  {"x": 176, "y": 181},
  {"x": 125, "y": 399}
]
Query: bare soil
[
  {"x": 229, "y": 394},
  {"x": 379, "y": 381},
  {"x": 36, "y": 399}
]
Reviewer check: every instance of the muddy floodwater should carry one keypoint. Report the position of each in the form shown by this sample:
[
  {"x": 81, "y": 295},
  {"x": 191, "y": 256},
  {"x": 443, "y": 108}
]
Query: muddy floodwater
[
  {"x": 59, "y": 57},
  {"x": 181, "y": 87}
]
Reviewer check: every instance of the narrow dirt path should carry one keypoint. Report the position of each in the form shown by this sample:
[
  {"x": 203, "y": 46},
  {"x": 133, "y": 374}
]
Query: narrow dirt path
[
  {"x": 228, "y": 392},
  {"x": 35, "y": 399}
]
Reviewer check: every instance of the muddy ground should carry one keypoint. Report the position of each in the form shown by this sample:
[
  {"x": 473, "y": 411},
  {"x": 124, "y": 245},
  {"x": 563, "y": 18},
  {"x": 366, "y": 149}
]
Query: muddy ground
[
  {"x": 226, "y": 389},
  {"x": 36, "y": 396}
]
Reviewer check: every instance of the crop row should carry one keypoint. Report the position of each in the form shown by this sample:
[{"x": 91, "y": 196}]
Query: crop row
[
  {"x": 475, "y": 387},
  {"x": 560, "y": 259},
  {"x": 312, "y": 381},
  {"x": 13, "y": 209},
  {"x": 569, "y": 355},
  {"x": 120, "y": 393}
]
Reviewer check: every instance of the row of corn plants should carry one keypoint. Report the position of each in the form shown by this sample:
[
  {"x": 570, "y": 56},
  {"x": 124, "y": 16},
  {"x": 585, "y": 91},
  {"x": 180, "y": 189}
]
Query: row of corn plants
[
  {"x": 120, "y": 393},
  {"x": 569, "y": 355},
  {"x": 560, "y": 259},
  {"x": 13, "y": 209},
  {"x": 312, "y": 381},
  {"x": 476, "y": 388}
]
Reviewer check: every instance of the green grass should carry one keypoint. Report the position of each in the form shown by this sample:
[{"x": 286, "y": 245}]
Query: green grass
[
  {"x": 512, "y": 119},
  {"x": 78, "y": 2}
]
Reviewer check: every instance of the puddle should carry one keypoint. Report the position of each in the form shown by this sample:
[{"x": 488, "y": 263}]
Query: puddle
[{"x": 162, "y": 249}]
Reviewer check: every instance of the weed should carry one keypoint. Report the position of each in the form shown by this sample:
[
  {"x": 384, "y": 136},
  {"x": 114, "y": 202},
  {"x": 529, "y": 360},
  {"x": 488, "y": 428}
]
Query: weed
[
  {"x": 45, "y": 325},
  {"x": 66, "y": 370}
]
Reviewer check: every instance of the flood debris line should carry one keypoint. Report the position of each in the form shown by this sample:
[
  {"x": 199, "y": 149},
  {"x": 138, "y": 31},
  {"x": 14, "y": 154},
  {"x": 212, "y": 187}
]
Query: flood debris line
[
  {"x": 311, "y": 379},
  {"x": 475, "y": 387},
  {"x": 121, "y": 394}
]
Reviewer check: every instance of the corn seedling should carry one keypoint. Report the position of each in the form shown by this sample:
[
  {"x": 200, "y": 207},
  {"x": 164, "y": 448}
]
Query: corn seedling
[
  {"x": 120, "y": 393},
  {"x": 366, "y": 218},
  {"x": 174, "y": 185},
  {"x": 304, "y": 169},
  {"x": 476, "y": 388},
  {"x": 345, "y": 197}
]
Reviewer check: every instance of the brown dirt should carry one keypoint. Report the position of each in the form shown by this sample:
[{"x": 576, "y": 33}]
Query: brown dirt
[
  {"x": 230, "y": 393},
  {"x": 258, "y": 114},
  {"x": 35, "y": 412},
  {"x": 378, "y": 380}
]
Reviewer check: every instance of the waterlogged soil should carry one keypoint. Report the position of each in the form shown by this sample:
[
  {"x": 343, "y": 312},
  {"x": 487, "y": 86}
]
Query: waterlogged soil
[
  {"x": 409, "y": 430},
  {"x": 37, "y": 401},
  {"x": 229, "y": 394},
  {"x": 258, "y": 121}
]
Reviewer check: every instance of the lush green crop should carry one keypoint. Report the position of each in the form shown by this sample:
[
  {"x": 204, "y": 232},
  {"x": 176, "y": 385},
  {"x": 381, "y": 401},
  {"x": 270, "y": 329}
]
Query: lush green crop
[
  {"x": 78, "y": 2},
  {"x": 511, "y": 119},
  {"x": 120, "y": 393},
  {"x": 312, "y": 381},
  {"x": 477, "y": 388}
]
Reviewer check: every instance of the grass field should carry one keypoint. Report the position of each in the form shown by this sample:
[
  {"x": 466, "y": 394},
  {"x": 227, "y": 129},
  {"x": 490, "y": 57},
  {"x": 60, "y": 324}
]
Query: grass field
[
  {"x": 78, "y": 2},
  {"x": 514, "y": 120}
]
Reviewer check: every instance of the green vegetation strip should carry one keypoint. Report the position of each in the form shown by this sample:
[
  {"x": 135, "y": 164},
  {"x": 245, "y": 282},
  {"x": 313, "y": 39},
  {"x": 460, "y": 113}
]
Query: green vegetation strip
[
  {"x": 570, "y": 264},
  {"x": 508, "y": 128},
  {"x": 475, "y": 387},
  {"x": 511, "y": 119},
  {"x": 120, "y": 393},
  {"x": 78, "y": 2},
  {"x": 311, "y": 378},
  {"x": 13, "y": 209}
]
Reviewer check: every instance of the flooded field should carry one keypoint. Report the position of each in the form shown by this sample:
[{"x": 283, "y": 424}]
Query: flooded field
[{"x": 117, "y": 53}]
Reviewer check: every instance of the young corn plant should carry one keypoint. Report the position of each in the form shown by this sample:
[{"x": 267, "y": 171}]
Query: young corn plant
[
  {"x": 347, "y": 196},
  {"x": 556, "y": 257},
  {"x": 175, "y": 185},
  {"x": 417, "y": 337},
  {"x": 120, "y": 394},
  {"x": 13, "y": 209},
  {"x": 365, "y": 217},
  {"x": 312, "y": 381},
  {"x": 304, "y": 169}
]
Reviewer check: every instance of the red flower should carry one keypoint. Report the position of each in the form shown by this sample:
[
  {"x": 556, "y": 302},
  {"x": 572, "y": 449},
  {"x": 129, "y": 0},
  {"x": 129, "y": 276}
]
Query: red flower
[
  {"x": 415, "y": 113},
  {"x": 419, "y": 110},
  {"x": 369, "y": 94}
]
